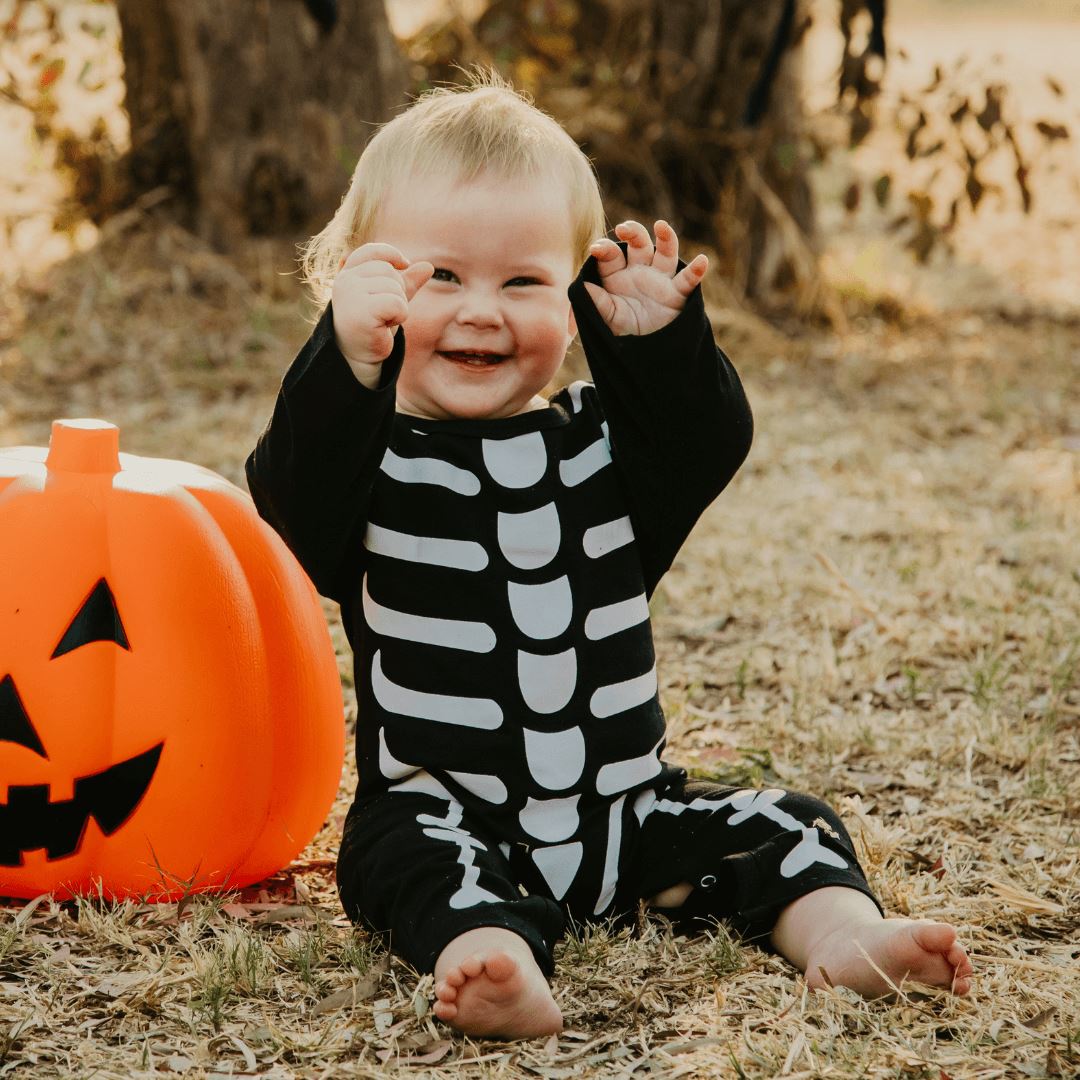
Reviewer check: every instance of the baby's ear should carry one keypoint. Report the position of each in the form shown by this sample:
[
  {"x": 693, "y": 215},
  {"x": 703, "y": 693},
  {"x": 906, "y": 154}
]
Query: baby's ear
[{"x": 571, "y": 323}]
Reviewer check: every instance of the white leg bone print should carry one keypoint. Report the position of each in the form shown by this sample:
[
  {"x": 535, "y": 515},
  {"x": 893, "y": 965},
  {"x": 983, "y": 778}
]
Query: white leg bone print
[
  {"x": 747, "y": 803},
  {"x": 449, "y": 829},
  {"x": 611, "y": 856},
  {"x": 807, "y": 852}
]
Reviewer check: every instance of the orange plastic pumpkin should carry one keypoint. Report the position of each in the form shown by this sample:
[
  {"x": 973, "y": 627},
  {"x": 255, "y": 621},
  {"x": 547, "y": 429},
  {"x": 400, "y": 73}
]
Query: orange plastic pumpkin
[{"x": 170, "y": 710}]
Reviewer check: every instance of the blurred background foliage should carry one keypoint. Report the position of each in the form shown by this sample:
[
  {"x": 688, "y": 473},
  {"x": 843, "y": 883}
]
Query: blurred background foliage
[{"x": 692, "y": 111}]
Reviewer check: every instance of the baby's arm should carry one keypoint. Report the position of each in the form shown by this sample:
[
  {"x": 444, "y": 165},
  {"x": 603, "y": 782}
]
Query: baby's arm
[
  {"x": 313, "y": 468},
  {"x": 679, "y": 422}
]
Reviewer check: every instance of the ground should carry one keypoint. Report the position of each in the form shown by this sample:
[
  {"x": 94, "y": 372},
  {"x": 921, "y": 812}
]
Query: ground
[{"x": 882, "y": 609}]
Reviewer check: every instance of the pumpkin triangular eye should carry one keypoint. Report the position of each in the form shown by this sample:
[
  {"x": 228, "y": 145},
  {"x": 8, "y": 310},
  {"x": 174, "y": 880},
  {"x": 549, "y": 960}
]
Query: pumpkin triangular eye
[
  {"x": 96, "y": 620},
  {"x": 15, "y": 725}
]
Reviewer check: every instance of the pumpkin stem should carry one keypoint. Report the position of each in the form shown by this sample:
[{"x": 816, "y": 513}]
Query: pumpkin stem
[{"x": 84, "y": 446}]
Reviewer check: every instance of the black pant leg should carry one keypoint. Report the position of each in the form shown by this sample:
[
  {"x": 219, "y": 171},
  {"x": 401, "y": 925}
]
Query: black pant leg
[
  {"x": 411, "y": 864},
  {"x": 748, "y": 854}
]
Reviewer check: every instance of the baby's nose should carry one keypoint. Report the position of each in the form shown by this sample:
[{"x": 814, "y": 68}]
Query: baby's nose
[{"x": 479, "y": 307}]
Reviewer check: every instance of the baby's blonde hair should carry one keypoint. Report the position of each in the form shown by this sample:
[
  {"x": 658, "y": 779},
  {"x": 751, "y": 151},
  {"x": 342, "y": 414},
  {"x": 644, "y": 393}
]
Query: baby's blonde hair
[{"x": 459, "y": 132}]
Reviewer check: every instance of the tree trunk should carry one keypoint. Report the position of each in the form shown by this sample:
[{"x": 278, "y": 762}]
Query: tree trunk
[
  {"x": 250, "y": 111},
  {"x": 691, "y": 110}
]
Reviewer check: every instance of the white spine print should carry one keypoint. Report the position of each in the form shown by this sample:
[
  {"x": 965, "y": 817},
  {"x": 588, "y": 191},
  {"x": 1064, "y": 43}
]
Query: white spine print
[
  {"x": 542, "y": 611},
  {"x": 556, "y": 759},
  {"x": 618, "y": 697},
  {"x": 550, "y": 820},
  {"x": 609, "y": 536},
  {"x": 610, "y": 619},
  {"x": 430, "y": 471},
  {"x": 431, "y": 550},
  {"x": 559, "y": 865},
  {"x": 530, "y": 540},
  {"x": 475, "y": 637},
  {"x": 482, "y": 713},
  {"x": 580, "y": 467},
  {"x": 547, "y": 682},
  {"x": 519, "y": 462}
]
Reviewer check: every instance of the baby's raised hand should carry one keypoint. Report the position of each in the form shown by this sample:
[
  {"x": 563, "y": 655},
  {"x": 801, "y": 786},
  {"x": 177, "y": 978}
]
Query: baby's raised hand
[
  {"x": 371, "y": 295},
  {"x": 641, "y": 292}
]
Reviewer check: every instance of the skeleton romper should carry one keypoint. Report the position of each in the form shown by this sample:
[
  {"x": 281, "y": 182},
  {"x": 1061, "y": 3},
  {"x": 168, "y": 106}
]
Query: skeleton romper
[{"x": 493, "y": 577}]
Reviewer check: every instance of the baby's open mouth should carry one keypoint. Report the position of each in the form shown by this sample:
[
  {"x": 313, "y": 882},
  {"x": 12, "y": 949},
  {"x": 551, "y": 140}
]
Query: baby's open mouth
[{"x": 474, "y": 359}]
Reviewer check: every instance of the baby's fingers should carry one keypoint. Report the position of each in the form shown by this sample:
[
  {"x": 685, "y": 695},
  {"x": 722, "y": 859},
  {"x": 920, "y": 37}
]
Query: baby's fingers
[
  {"x": 603, "y": 301},
  {"x": 416, "y": 277},
  {"x": 666, "y": 258},
  {"x": 639, "y": 243},
  {"x": 608, "y": 255},
  {"x": 689, "y": 277},
  {"x": 370, "y": 252}
]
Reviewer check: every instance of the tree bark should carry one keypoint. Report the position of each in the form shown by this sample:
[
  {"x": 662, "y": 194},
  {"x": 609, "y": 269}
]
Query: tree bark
[
  {"x": 249, "y": 111},
  {"x": 662, "y": 94}
]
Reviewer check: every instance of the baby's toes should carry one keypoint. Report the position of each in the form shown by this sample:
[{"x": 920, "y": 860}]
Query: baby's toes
[
  {"x": 446, "y": 991},
  {"x": 935, "y": 937},
  {"x": 470, "y": 967},
  {"x": 961, "y": 965},
  {"x": 445, "y": 1010}
]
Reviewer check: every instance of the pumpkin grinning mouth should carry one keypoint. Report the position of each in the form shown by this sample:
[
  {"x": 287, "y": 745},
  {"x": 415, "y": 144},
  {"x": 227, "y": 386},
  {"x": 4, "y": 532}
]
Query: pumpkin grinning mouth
[{"x": 30, "y": 821}]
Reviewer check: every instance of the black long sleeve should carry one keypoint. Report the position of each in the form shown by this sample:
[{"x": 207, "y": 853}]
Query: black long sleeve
[
  {"x": 312, "y": 471},
  {"x": 680, "y": 425}
]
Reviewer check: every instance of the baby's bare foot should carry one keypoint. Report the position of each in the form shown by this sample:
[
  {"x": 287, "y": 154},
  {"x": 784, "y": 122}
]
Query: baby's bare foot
[
  {"x": 497, "y": 994},
  {"x": 905, "y": 950}
]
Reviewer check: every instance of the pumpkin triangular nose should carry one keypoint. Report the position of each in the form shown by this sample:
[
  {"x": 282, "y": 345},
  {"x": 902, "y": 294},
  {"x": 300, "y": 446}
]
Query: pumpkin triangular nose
[
  {"x": 84, "y": 446},
  {"x": 15, "y": 725}
]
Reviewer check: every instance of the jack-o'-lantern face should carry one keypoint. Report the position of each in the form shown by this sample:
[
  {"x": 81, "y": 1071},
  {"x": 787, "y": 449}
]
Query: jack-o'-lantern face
[
  {"x": 30, "y": 820},
  {"x": 170, "y": 711}
]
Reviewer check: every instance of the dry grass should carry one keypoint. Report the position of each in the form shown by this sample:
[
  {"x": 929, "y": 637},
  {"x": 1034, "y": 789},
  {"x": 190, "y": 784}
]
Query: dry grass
[{"x": 883, "y": 609}]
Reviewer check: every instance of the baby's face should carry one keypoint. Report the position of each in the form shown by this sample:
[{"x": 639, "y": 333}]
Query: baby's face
[{"x": 490, "y": 329}]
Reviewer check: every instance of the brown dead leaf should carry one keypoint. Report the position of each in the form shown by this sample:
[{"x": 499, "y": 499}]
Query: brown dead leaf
[
  {"x": 286, "y": 913},
  {"x": 1040, "y": 1018},
  {"x": 362, "y": 990}
]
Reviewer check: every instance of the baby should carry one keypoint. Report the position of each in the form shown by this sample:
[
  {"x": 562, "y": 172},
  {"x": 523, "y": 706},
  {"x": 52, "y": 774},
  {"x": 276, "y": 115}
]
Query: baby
[{"x": 493, "y": 552}]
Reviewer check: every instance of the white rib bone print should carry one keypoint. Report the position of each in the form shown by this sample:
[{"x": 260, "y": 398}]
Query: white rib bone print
[{"x": 557, "y": 767}]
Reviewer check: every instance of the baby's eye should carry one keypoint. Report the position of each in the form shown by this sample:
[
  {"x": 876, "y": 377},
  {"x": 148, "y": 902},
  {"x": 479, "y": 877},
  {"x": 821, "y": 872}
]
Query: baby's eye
[
  {"x": 442, "y": 274},
  {"x": 523, "y": 281}
]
